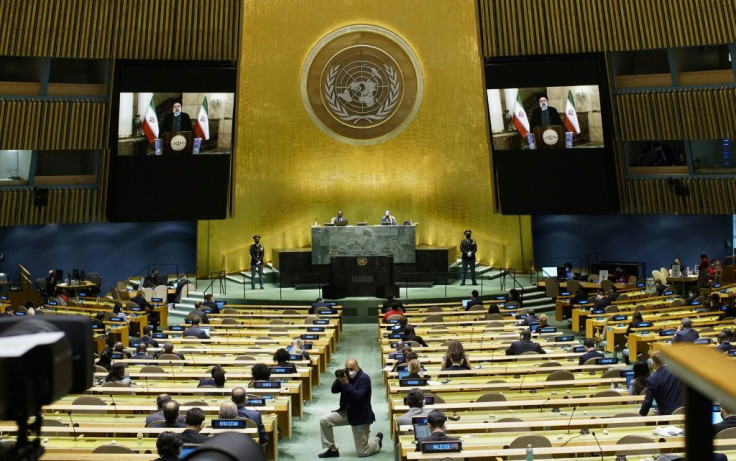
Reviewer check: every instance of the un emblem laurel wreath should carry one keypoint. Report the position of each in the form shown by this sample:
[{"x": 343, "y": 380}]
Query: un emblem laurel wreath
[{"x": 342, "y": 113}]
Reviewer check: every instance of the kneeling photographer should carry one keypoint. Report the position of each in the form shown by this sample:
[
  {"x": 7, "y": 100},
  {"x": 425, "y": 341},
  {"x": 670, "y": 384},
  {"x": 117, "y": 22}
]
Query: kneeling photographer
[{"x": 354, "y": 387}]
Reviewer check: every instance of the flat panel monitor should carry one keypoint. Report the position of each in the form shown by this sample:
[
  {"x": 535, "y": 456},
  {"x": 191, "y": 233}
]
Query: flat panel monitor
[
  {"x": 550, "y": 271},
  {"x": 551, "y": 127}
]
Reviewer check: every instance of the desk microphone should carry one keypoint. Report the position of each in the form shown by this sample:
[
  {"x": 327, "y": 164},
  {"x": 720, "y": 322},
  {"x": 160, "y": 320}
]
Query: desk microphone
[
  {"x": 114, "y": 405},
  {"x": 171, "y": 364},
  {"x": 598, "y": 443},
  {"x": 570, "y": 420},
  {"x": 146, "y": 378},
  {"x": 69, "y": 412},
  {"x": 542, "y": 405},
  {"x": 571, "y": 438}
]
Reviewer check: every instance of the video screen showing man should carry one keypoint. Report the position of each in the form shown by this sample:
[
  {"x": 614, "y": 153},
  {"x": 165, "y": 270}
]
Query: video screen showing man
[
  {"x": 517, "y": 113},
  {"x": 144, "y": 118}
]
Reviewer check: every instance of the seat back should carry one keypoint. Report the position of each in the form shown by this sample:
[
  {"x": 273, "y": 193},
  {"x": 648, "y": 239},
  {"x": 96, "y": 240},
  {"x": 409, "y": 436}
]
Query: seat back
[
  {"x": 623, "y": 424},
  {"x": 152, "y": 369},
  {"x": 166, "y": 357},
  {"x": 551, "y": 287},
  {"x": 492, "y": 397},
  {"x": 535, "y": 440},
  {"x": 573, "y": 285},
  {"x": 560, "y": 375},
  {"x": 113, "y": 448},
  {"x": 434, "y": 318},
  {"x": 729, "y": 433},
  {"x": 476, "y": 308},
  {"x": 606, "y": 285}
]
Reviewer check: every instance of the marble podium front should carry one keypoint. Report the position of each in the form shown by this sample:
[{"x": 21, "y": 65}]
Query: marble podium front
[{"x": 396, "y": 241}]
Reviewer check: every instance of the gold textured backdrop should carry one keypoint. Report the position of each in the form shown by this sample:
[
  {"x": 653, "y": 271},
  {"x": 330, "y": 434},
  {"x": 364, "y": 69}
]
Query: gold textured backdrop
[{"x": 289, "y": 174}]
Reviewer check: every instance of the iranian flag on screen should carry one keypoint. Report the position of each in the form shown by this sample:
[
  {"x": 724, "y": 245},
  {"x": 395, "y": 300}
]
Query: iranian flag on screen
[
  {"x": 571, "y": 115},
  {"x": 150, "y": 122},
  {"x": 521, "y": 122},
  {"x": 202, "y": 127}
]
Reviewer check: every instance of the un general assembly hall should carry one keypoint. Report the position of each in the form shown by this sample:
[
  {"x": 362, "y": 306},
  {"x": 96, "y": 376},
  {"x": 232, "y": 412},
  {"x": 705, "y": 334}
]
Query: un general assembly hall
[{"x": 402, "y": 229}]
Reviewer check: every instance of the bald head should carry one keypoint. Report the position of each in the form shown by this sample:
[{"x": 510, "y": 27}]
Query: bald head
[{"x": 351, "y": 364}]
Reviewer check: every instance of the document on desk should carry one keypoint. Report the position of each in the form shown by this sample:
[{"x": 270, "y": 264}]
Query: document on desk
[{"x": 668, "y": 431}]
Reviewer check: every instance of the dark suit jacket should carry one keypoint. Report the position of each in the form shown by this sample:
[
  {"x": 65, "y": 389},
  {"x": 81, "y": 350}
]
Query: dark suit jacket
[
  {"x": 150, "y": 341},
  {"x": 211, "y": 306},
  {"x": 474, "y": 302},
  {"x": 168, "y": 123},
  {"x": 192, "y": 436},
  {"x": 197, "y": 332},
  {"x": 601, "y": 303},
  {"x": 355, "y": 396},
  {"x": 724, "y": 347},
  {"x": 554, "y": 117},
  {"x": 589, "y": 355},
  {"x": 201, "y": 314},
  {"x": 729, "y": 312},
  {"x": 455, "y": 368},
  {"x": 142, "y": 302},
  {"x": 519, "y": 347},
  {"x": 255, "y": 416},
  {"x": 686, "y": 335},
  {"x": 727, "y": 423},
  {"x": 664, "y": 387}
]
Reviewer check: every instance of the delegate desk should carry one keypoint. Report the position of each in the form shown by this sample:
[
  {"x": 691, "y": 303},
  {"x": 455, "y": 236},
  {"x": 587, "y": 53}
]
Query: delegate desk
[{"x": 356, "y": 241}]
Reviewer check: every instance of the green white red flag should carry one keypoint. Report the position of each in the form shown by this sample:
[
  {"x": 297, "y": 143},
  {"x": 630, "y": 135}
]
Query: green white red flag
[
  {"x": 521, "y": 122},
  {"x": 571, "y": 115},
  {"x": 150, "y": 122},
  {"x": 202, "y": 127}
]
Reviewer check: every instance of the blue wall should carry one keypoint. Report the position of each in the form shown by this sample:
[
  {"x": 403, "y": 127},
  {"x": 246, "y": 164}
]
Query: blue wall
[
  {"x": 656, "y": 240},
  {"x": 115, "y": 250}
]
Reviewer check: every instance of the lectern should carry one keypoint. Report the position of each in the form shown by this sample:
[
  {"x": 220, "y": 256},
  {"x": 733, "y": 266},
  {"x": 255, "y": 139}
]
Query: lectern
[
  {"x": 549, "y": 136},
  {"x": 177, "y": 142}
]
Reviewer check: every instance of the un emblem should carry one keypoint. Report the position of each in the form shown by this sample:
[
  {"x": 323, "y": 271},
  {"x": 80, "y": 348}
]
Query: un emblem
[{"x": 362, "y": 84}]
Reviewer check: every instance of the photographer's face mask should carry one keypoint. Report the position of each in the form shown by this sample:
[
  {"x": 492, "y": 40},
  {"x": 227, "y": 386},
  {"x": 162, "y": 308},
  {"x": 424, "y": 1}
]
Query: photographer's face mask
[{"x": 352, "y": 373}]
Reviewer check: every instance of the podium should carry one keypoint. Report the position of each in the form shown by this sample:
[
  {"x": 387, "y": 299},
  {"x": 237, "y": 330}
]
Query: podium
[
  {"x": 359, "y": 276},
  {"x": 177, "y": 142},
  {"x": 549, "y": 136}
]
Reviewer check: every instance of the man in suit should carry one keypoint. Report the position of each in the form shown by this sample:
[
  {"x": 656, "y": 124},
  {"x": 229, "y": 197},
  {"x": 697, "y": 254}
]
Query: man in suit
[
  {"x": 209, "y": 303},
  {"x": 729, "y": 420},
  {"x": 590, "y": 352},
  {"x": 601, "y": 300},
  {"x": 146, "y": 338},
  {"x": 545, "y": 115},
  {"x": 354, "y": 387},
  {"x": 340, "y": 219},
  {"x": 524, "y": 344},
  {"x": 436, "y": 421},
  {"x": 176, "y": 120},
  {"x": 153, "y": 316},
  {"x": 256, "y": 262},
  {"x": 662, "y": 386},
  {"x": 415, "y": 400},
  {"x": 141, "y": 351},
  {"x": 195, "y": 331},
  {"x": 724, "y": 340},
  {"x": 457, "y": 363},
  {"x": 685, "y": 332},
  {"x": 198, "y": 312},
  {"x": 238, "y": 397},
  {"x": 468, "y": 248},
  {"x": 319, "y": 302},
  {"x": 170, "y": 411},
  {"x": 388, "y": 219},
  {"x": 474, "y": 300},
  {"x": 168, "y": 349},
  {"x": 158, "y": 415},
  {"x": 194, "y": 422}
]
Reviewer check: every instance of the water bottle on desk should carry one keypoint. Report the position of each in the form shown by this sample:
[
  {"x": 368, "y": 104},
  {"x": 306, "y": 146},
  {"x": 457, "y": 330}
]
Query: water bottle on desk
[{"x": 529, "y": 453}]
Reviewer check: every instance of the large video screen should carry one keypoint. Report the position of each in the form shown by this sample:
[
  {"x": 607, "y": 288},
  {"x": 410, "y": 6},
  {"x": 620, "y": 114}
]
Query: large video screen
[
  {"x": 202, "y": 119},
  {"x": 172, "y": 156},
  {"x": 550, "y": 131},
  {"x": 521, "y": 118}
]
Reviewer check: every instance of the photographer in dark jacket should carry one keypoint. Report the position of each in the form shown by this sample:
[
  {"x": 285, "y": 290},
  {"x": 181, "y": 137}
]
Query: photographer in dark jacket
[{"x": 354, "y": 387}]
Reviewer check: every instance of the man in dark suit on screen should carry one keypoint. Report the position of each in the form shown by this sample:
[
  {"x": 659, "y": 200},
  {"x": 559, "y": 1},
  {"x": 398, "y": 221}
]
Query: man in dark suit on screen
[
  {"x": 176, "y": 120},
  {"x": 545, "y": 115}
]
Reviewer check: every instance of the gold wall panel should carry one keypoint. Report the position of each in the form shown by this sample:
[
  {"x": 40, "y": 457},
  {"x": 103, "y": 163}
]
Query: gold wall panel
[
  {"x": 676, "y": 114},
  {"x": 52, "y": 124},
  {"x": 289, "y": 174},
  {"x": 134, "y": 29},
  {"x": 529, "y": 27},
  {"x": 705, "y": 196}
]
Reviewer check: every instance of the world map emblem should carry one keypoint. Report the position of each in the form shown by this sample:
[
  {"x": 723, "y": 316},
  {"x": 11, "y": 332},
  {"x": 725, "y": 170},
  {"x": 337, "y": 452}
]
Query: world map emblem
[{"x": 362, "y": 84}]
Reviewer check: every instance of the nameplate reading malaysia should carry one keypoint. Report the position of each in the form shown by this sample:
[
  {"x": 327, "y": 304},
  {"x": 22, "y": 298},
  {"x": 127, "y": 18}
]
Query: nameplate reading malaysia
[{"x": 440, "y": 447}]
